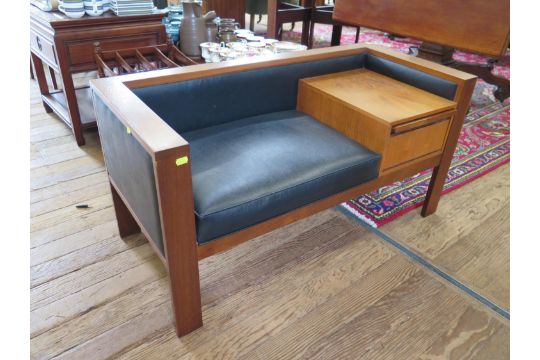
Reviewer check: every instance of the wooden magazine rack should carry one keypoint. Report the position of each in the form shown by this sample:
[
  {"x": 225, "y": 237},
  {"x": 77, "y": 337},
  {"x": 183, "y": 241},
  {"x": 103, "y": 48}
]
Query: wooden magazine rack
[{"x": 134, "y": 60}]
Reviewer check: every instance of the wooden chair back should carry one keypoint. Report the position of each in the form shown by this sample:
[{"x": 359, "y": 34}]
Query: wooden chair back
[{"x": 479, "y": 26}]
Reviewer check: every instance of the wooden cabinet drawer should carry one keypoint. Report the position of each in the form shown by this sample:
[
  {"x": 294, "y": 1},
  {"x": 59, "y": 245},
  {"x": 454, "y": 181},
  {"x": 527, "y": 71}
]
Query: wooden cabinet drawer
[
  {"x": 43, "y": 48},
  {"x": 413, "y": 144}
]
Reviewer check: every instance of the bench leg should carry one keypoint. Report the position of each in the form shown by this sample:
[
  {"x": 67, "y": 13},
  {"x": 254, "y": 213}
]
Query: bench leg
[
  {"x": 435, "y": 188},
  {"x": 186, "y": 294},
  {"x": 126, "y": 223},
  {"x": 438, "y": 177},
  {"x": 175, "y": 194}
]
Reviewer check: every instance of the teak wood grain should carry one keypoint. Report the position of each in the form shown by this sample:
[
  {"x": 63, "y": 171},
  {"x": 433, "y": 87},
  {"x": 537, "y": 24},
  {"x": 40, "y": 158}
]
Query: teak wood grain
[
  {"x": 206, "y": 70},
  {"x": 378, "y": 96},
  {"x": 280, "y": 293},
  {"x": 415, "y": 124},
  {"x": 414, "y": 144},
  {"x": 344, "y": 117},
  {"x": 475, "y": 25},
  {"x": 173, "y": 181},
  {"x": 396, "y": 120},
  {"x": 155, "y": 135},
  {"x": 463, "y": 98},
  {"x": 180, "y": 240}
]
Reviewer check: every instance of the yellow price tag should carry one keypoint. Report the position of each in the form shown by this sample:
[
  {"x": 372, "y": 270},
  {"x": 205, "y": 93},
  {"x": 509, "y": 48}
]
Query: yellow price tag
[{"x": 182, "y": 161}]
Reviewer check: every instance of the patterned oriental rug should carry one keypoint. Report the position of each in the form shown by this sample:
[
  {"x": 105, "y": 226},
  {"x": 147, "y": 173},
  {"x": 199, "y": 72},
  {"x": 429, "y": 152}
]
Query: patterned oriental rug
[{"x": 483, "y": 146}]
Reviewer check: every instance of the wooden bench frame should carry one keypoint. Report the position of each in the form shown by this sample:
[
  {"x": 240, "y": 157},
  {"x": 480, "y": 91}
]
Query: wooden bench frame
[{"x": 173, "y": 182}]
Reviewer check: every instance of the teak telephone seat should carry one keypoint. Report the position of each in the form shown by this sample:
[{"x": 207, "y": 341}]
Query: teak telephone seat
[{"x": 176, "y": 146}]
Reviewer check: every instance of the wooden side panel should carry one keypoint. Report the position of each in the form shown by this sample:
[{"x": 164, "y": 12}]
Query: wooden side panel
[
  {"x": 345, "y": 119},
  {"x": 476, "y": 25},
  {"x": 414, "y": 144}
]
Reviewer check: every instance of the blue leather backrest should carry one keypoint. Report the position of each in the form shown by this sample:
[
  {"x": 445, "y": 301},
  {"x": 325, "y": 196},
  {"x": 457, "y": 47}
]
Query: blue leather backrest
[
  {"x": 195, "y": 104},
  {"x": 200, "y": 103},
  {"x": 417, "y": 78},
  {"x": 132, "y": 170}
]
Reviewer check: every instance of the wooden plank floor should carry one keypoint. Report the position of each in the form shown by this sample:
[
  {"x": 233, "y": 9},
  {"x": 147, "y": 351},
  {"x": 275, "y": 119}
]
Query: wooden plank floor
[
  {"x": 322, "y": 288},
  {"x": 468, "y": 237}
]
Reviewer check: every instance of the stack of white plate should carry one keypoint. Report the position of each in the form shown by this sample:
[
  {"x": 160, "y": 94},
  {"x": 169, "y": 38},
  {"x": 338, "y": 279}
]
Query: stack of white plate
[
  {"x": 287, "y": 46},
  {"x": 132, "y": 7}
]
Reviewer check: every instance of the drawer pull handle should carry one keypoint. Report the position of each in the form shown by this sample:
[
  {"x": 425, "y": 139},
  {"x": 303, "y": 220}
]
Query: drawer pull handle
[{"x": 38, "y": 41}]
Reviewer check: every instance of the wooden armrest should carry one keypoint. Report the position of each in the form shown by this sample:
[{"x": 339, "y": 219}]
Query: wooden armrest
[{"x": 156, "y": 136}]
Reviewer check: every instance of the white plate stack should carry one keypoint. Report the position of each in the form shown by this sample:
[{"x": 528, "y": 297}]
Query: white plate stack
[{"x": 132, "y": 7}]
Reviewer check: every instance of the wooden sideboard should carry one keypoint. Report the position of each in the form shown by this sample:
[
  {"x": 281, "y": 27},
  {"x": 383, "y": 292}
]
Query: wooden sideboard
[
  {"x": 68, "y": 45},
  {"x": 394, "y": 119}
]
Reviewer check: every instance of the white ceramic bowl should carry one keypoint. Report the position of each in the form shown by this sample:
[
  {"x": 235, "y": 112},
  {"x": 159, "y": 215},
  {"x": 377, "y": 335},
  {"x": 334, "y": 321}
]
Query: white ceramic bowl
[
  {"x": 287, "y": 46},
  {"x": 73, "y": 9},
  {"x": 94, "y": 8}
]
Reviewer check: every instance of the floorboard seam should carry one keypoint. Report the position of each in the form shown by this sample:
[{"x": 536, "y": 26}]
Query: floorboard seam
[{"x": 428, "y": 265}]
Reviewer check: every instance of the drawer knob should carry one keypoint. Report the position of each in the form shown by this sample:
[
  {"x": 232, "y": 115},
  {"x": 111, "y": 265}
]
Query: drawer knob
[{"x": 38, "y": 42}]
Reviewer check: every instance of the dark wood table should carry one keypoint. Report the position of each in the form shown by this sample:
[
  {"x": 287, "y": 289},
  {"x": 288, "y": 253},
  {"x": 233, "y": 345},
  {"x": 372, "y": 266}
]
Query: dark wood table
[
  {"x": 68, "y": 45},
  {"x": 235, "y": 9}
]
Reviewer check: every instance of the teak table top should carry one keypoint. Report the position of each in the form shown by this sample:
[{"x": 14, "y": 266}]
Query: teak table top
[{"x": 379, "y": 96}]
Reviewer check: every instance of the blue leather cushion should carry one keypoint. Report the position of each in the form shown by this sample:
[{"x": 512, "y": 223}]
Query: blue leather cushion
[{"x": 250, "y": 170}]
